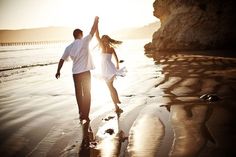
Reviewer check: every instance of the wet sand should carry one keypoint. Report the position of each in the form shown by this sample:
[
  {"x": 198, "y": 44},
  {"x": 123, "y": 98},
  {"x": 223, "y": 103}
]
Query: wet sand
[
  {"x": 163, "y": 113},
  {"x": 201, "y": 127}
]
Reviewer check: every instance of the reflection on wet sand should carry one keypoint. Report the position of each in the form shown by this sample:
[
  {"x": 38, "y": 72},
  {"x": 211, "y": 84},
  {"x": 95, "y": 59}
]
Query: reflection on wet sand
[
  {"x": 146, "y": 133},
  {"x": 86, "y": 147},
  {"x": 190, "y": 129},
  {"x": 201, "y": 90},
  {"x": 106, "y": 143}
]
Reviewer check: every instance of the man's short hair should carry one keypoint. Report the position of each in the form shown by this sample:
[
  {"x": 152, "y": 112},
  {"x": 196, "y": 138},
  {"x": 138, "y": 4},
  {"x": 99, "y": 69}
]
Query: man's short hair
[{"x": 77, "y": 32}]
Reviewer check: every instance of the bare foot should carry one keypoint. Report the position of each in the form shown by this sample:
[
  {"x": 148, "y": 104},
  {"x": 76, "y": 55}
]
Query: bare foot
[{"x": 119, "y": 110}]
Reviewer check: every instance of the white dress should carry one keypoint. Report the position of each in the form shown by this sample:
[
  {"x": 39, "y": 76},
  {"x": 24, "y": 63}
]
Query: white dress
[{"x": 108, "y": 68}]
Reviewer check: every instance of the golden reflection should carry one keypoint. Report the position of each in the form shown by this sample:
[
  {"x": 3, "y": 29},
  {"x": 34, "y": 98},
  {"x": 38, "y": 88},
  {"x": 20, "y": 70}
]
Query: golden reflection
[
  {"x": 107, "y": 141},
  {"x": 190, "y": 130},
  {"x": 146, "y": 133},
  {"x": 88, "y": 145}
]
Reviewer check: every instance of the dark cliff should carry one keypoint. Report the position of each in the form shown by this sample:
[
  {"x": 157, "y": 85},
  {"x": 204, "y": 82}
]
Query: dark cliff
[{"x": 194, "y": 25}]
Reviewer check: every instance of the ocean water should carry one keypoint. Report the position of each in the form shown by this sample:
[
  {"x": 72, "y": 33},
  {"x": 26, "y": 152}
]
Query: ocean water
[
  {"x": 15, "y": 59},
  {"x": 34, "y": 68},
  {"x": 38, "y": 110},
  {"x": 23, "y": 56}
]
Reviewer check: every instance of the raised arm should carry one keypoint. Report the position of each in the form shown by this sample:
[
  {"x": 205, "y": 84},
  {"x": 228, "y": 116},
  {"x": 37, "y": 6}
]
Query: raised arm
[
  {"x": 98, "y": 35},
  {"x": 99, "y": 39},
  {"x": 95, "y": 26}
]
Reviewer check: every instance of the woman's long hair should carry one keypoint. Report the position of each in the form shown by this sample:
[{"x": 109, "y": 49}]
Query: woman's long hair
[{"x": 112, "y": 42}]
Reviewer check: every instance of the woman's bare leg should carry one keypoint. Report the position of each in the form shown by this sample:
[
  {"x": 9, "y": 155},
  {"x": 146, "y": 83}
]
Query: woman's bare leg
[{"x": 114, "y": 94}]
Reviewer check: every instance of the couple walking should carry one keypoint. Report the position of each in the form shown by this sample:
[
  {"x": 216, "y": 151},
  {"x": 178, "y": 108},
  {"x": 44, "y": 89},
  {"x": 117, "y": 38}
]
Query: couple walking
[{"x": 78, "y": 51}]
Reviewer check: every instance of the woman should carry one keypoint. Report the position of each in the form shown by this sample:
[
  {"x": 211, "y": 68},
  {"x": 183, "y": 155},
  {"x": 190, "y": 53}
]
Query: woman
[{"x": 109, "y": 70}]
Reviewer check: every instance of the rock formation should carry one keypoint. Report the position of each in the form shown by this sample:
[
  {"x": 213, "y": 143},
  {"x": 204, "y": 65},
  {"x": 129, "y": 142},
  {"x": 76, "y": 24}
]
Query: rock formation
[{"x": 193, "y": 25}]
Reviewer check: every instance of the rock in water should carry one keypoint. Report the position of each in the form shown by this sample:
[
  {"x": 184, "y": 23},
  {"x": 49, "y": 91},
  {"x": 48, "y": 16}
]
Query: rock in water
[
  {"x": 194, "y": 25},
  {"x": 210, "y": 97},
  {"x": 213, "y": 98},
  {"x": 204, "y": 96}
]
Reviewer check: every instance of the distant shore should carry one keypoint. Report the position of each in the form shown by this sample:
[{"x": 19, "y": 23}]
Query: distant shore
[{"x": 22, "y": 43}]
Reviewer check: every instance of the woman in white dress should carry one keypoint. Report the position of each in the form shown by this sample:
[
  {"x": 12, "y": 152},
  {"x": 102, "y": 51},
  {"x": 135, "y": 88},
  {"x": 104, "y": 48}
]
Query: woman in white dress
[{"x": 108, "y": 69}]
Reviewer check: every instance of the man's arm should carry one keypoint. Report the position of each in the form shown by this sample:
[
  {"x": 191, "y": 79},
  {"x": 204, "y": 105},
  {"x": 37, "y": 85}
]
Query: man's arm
[
  {"x": 95, "y": 26},
  {"x": 60, "y": 64}
]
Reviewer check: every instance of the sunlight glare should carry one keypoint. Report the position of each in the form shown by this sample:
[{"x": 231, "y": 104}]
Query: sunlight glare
[{"x": 100, "y": 92}]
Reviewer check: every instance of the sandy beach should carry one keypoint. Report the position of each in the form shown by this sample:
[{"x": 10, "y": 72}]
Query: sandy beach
[{"x": 163, "y": 112}]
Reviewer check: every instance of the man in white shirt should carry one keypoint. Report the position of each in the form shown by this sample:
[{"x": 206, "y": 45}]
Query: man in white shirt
[{"x": 78, "y": 51}]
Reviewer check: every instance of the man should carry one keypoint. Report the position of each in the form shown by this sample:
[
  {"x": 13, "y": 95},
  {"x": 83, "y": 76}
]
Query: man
[{"x": 78, "y": 51}]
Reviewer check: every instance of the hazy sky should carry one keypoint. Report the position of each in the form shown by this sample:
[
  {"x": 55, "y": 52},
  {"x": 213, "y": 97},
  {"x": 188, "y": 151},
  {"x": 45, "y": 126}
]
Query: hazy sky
[{"x": 114, "y": 14}]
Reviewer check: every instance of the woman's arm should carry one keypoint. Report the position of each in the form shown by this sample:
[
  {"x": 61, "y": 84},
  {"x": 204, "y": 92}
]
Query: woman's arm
[
  {"x": 116, "y": 58},
  {"x": 99, "y": 38},
  {"x": 98, "y": 35},
  {"x": 95, "y": 26}
]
